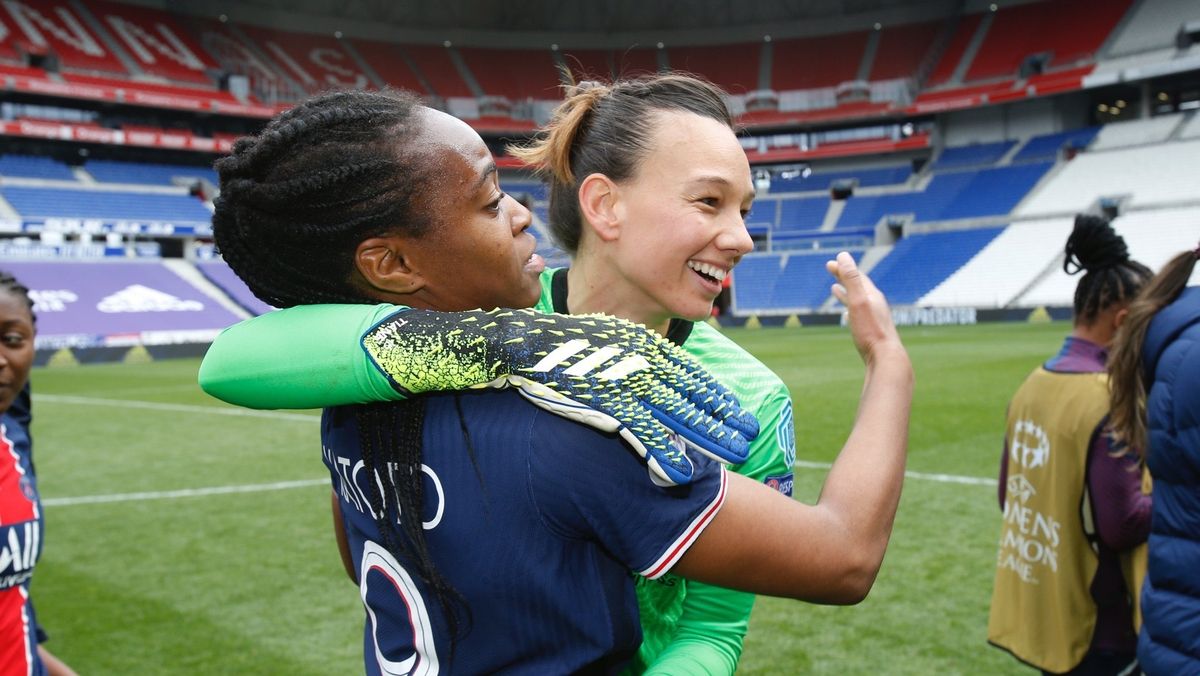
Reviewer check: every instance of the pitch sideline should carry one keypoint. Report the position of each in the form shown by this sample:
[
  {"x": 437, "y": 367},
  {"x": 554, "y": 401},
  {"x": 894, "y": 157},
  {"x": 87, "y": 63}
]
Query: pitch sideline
[{"x": 286, "y": 485}]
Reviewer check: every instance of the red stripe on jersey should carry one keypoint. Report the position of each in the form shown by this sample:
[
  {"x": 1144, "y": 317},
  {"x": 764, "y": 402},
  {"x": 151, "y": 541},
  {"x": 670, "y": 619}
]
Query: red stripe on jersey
[
  {"x": 16, "y": 653},
  {"x": 667, "y": 560},
  {"x": 15, "y": 505}
]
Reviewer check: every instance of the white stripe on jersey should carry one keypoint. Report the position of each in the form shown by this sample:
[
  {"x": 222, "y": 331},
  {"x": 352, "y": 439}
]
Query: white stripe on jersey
[{"x": 689, "y": 535}]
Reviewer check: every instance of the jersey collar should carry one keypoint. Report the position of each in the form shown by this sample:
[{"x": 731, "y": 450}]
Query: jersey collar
[{"x": 677, "y": 331}]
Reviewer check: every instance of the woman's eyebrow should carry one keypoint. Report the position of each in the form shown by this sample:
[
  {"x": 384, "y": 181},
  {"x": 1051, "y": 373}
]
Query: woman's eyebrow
[{"x": 487, "y": 174}]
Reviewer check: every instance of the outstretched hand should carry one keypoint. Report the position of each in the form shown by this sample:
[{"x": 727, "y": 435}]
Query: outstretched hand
[{"x": 869, "y": 316}]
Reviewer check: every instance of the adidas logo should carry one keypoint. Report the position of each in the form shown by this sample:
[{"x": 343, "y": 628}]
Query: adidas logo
[
  {"x": 51, "y": 300},
  {"x": 591, "y": 362},
  {"x": 138, "y": 298}
]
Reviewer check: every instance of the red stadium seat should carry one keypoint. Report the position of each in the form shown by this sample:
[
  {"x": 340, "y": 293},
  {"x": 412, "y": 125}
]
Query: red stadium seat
[
  {"x": 57, "y": 26},
  {"x": 156, "y": 41},
  {"x": 513, "y": 73},
  {"x": 388, "y": 62},
  {"x": 434, "y": 63},
  {"x": 821, "y": 61},
  {"x": 902, "y": 49},
  {"x": 950, "y": 59},
  {"x": 733, "y": 67}
]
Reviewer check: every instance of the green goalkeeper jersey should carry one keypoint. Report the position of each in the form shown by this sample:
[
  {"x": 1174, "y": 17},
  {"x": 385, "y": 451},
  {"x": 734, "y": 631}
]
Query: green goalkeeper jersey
[{"x": 689, "y": 627}]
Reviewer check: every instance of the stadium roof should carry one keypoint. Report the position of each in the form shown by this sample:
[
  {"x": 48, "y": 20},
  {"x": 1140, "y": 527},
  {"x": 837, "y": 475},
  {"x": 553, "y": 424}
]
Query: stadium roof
[{"x": 492, "y": 18}]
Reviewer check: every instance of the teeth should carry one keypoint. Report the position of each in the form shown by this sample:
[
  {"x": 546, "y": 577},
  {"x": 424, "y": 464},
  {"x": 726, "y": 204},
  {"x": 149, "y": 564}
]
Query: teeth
[{"x": 706, "y": 269}]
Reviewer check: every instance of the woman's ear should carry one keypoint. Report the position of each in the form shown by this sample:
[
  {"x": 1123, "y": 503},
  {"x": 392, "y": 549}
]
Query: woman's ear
[
  {"x": 383, "y": 266},
  {"x": 599, "y": 205}
]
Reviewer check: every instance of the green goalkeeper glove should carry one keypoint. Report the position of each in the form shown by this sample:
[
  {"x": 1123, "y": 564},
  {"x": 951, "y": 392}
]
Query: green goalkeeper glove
[{"x": 605, "y": 372}]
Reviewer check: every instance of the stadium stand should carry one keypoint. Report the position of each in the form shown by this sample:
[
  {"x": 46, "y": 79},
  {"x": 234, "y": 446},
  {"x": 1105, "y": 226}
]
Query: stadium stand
[
  {"x": 513, "y": 73},
  {"x": 390, "y": 63},
  {"x": 782, "y": 283},
  {"x": 45, "y": 202},
  {"x": 902, "y": 49},
  {"x": 32, "y": 166},
  {"x": 920, "y": 262},
  {"x": 1048, "y": 146},
  {"x": 438, "y": 70},
  {"x": 220, "y": 274},
  {"x": 1037, "y": 28},
  {"x": 733, "y": 67},
  {"x": 950, "y": 196},
  {"x": 1005, "y": 267},
  {"x": 315, "y": 62},
  {"x": 1153, "y": 237},
  {"x": 134, "y": 54},
  {"x": 1147, "y": 175},
  {"x": 802, "y": 213},
  {"x": 1152, "y": 25},
  {"x": 57, "y": 26},
  {"x": 156, "y": 42},
  {"x": 975, "y": 155},
  {"x": 114, "y": 171},
  {"x": 821, "y": 61},
  {"x": 1136, "y": 132},
  {"x": 943, "y": 72}
]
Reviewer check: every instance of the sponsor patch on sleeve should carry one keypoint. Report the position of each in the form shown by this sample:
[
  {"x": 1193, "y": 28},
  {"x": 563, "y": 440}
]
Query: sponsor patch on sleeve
[{"x": 781, "y": 482}]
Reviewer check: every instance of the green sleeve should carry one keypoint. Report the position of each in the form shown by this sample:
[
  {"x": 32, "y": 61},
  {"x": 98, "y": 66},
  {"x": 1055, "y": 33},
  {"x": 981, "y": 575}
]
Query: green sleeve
[
  {"x": 709, "y": 633},
  {"x": 708, "y": 636},
  {"x": 302, "y": 357}
]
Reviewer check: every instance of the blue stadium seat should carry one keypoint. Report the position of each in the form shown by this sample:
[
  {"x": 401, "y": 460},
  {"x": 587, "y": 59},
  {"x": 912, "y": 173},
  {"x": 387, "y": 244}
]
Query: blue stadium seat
[
  {"x": 821, "y": 181},
  {"x": 112, "y": 171},
  {"x": 920, "y": 262},
  {"x": 974, "y": 155},
  {"x": 30, "y": 166},
  {"x": 805, "y": 213},
  {"x": 63, "y": 203},
  {"x": 1046, "y": 147}
]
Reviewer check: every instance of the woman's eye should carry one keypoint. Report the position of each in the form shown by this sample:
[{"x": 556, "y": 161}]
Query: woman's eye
[
  {"x": 710, "y": 201},
  {"x": 495, "y": 205},
  {"x": 13, "y": 339}
]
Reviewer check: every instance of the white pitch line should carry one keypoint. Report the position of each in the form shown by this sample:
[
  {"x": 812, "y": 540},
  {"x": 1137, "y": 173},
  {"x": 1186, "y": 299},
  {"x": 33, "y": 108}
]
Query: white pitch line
[
  {"x": 924, "y": 476},
  {"x": 178, "y": 408},
  {"x": 182, "y": 493}
]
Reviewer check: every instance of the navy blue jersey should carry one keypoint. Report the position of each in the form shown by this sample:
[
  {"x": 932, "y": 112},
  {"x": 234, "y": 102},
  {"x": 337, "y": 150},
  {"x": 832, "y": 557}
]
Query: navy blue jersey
[
  {"x": 20, "y": 542},
  {"x": 539, "y": 538}
]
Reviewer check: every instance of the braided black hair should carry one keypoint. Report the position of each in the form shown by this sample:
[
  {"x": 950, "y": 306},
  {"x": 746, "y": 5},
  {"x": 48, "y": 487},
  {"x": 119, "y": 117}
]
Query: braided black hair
[
  {"x": 321, "y": 177},
  {"x": 1111, "y": 276},
  {"x": 295, "y": 202},
  {"x": 11, "y": 285}
]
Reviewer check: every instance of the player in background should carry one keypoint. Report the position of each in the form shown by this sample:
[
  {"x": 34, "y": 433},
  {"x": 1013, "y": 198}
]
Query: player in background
[
  {"x": 845, "y": 533},
  {"x": 21, "y": 638},
  {"x": 1070, "y": 493},
  {"x": 1156, "y": 407}
]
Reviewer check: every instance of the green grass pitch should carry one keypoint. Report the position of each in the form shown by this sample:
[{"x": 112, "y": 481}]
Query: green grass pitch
[{"x": 199, "y": 577}]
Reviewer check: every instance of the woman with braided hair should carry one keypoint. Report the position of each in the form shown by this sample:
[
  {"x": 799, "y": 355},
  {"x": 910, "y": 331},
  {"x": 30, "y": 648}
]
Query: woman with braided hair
[
  {"x": 1156, "y": 407},
  {"x": 1071, "y": 493},
  {"x": 21, "y": 649},
  {"x": 528, "y": 524}
]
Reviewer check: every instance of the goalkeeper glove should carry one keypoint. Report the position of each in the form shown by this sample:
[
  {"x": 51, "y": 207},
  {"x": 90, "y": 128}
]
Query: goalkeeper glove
[{"x": 602, "y": 371}]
